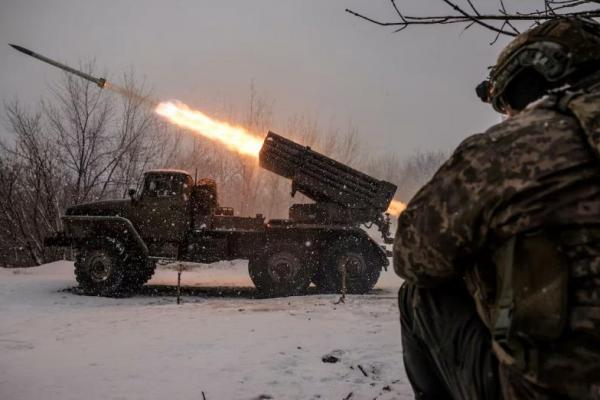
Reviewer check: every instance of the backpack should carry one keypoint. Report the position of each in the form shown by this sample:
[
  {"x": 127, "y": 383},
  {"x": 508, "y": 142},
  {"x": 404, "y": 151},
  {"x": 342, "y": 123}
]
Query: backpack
[{"x": 544, "y": 312}]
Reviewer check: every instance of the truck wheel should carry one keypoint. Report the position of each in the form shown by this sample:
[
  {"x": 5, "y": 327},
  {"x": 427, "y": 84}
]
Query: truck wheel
[
  {"x": 362, "y": 268},
  {"x": 100, "y": 269},
  {"x": 138, "y": 271},
  {"x": 284, "y": 269}
]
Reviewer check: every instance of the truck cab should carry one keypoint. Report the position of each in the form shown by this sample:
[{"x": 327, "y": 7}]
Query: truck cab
[{"x": 160, "y": 210}]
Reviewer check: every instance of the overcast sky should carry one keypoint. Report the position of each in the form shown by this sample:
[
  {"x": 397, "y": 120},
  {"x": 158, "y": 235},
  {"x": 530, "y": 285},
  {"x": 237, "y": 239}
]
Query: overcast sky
[{"x": 403, "y": 91}]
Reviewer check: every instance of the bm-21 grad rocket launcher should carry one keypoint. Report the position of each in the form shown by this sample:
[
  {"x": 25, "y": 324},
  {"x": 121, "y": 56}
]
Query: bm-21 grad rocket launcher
[
  {"x": 342, "y": 195},
  {"x": 173, "y": 216}
]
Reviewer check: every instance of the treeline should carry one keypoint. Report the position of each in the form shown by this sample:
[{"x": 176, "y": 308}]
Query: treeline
[{"x": 84, "y": 144}]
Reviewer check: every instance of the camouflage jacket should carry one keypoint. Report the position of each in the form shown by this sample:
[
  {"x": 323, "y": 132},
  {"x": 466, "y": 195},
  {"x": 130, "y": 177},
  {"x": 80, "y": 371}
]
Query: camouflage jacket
[
  {"x": 528, "y": 172},
  {"x": 536, "y": 171}
]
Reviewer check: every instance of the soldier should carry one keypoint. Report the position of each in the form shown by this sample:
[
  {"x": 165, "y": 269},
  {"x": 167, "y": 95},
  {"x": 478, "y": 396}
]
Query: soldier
[{"x": 501, "y": 249}]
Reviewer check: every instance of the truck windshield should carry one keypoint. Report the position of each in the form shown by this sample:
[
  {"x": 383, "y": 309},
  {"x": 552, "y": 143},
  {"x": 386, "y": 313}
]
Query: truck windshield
[{"x": 162, "y": 185}]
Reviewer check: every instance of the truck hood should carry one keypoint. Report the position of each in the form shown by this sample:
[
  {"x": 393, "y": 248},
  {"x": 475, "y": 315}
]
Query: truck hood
[{"x": 102, "y": 208}]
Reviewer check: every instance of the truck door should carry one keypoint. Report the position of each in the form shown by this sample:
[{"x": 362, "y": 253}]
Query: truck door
[{"x": 163, "y": 214}]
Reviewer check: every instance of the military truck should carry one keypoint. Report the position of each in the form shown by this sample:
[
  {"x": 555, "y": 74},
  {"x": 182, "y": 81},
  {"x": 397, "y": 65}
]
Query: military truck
[{"x": 174, "y": 217}]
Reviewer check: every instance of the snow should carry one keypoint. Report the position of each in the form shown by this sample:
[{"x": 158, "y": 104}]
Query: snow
[{"x": 221, "y": 342}]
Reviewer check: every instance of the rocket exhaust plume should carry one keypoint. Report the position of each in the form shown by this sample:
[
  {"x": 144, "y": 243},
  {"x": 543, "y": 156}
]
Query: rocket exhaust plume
[
  {"x": 234, "y": 138},
  {"x": 396, "y": 207},
  {"x": 130, "y": 94}
]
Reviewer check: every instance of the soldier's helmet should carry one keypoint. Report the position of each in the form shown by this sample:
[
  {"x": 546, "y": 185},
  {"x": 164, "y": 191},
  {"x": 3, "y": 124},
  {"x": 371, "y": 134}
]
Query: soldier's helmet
[{"x": 559, "y": 51}]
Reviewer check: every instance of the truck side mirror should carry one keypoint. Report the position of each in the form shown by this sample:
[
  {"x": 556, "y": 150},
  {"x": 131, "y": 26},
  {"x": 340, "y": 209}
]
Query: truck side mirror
[{"x": 131, "y": 192}]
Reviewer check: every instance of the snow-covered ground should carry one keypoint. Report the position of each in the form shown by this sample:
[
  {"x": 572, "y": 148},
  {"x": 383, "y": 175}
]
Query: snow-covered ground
[{"x": 221, "y": 343}]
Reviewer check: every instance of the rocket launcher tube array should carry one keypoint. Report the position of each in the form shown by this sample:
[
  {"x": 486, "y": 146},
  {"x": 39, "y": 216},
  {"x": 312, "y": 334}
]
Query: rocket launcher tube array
[{"x": 323, "y": 179}]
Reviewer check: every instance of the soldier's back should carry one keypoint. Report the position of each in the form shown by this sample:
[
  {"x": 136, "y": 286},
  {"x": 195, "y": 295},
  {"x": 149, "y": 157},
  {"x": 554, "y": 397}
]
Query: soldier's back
[{"x": 544, "y": 173}]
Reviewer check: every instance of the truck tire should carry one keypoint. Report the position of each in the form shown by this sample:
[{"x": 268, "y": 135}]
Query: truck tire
[
  {"x": 283, "y": 269},
  {"x": 362, "y": 267},
  {"x": 100, "y": 269},
  {"x": 138, "y": 271}
]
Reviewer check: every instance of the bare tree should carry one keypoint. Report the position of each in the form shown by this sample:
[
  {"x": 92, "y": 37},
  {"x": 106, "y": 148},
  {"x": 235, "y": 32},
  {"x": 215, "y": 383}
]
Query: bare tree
[
  {"x": 140, "y": 140},
  {"x": 106, "y": 140},
  {"x": 503, "y": 21},
  {"x": 78, "y": 118},
  {"x": 258, "y": 119},
  {"x": 83, "y": 144},
  {"x": 31, "y": 189},
  {"x": 409, "y": 173}
]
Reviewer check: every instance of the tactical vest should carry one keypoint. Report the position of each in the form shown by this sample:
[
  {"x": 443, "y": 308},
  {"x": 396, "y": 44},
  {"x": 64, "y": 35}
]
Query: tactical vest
[{"x": 544, "y": 311}]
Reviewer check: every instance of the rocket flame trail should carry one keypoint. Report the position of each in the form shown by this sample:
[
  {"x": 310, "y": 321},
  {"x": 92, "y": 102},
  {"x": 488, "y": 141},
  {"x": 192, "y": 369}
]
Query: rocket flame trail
[
  {"x": 235, "y": 138},
  {"x": 396, "y": 207}
]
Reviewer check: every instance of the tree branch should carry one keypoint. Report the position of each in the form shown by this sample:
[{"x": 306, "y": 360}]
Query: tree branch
[{"x": 552, "y": 9}]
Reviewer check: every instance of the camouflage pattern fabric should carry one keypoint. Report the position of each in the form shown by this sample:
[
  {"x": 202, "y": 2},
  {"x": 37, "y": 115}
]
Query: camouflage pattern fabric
[
  {"x": 534, "y": 171},
  {"x": 528, "y": 172}
]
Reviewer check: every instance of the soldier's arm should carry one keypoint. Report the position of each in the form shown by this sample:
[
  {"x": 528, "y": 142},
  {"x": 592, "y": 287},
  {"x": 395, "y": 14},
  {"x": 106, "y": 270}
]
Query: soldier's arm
[{"x": 442, "y": 224}]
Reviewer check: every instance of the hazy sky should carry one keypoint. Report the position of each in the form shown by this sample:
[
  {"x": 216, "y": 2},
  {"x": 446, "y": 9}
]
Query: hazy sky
[{"x": 404, "y": 91}]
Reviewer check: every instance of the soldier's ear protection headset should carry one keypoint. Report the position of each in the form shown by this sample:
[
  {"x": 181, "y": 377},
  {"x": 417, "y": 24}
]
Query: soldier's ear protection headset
[
  {"x": 549, "y": 59},
  {"x": 483, "y": 91}
]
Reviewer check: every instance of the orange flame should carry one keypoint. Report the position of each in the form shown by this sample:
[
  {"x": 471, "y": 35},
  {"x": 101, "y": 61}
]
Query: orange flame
[
  {"x": 396, "y": 207},
  {"x": 235, "y": 138}
]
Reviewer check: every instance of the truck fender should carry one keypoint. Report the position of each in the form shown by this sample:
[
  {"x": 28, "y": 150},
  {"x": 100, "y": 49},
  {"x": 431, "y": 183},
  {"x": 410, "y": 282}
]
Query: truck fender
[{"x": 80, "y": 229}]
